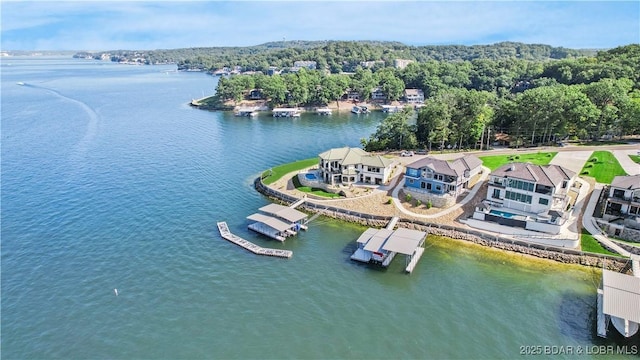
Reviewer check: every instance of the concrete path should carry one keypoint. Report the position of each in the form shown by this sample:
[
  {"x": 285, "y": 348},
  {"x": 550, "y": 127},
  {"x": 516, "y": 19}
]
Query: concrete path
[
  {"x": 625, "y": 161},
  {"x": 572, "y": 160},
  {"x": 590, "y": 225},
  {"x": 470, "y": 195}
]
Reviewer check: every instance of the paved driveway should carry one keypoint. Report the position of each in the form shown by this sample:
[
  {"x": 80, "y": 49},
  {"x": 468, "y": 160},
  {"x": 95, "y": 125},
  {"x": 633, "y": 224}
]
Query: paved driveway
[
  {"x": 627, "y": 164},
  {"x": 572, "y": 160}
]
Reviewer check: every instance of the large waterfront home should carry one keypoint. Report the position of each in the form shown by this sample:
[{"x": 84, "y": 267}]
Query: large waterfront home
[
  {"x": 534, "y": 197},
  {"x": 346, "y": 166},
  {"x": 377, "y": 94},
  {"x": 414, "y": 96},
  {"x": 622, "y": 208},
  {"x": 440, "y": 181}
]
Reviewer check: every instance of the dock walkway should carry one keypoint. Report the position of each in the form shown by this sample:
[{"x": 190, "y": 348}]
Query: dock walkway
[{"x": 248, "y": 245}]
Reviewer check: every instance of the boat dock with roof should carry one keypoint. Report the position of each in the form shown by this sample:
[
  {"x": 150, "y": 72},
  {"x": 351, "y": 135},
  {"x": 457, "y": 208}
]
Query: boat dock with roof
[
  {"x": 380, "y": 246},
  {"x": 279, "y": 221},
  {"x": 619, "y": 301},
  {"x": 227, "y": 235},
  {"x": 323, "y": 111},
  {"x": 250, "y": 112},
  {"x": 286, "y": 112}
]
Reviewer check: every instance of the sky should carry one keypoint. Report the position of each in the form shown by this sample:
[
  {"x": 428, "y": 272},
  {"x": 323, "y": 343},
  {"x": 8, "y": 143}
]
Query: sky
[{"x": 147, "y": 25}]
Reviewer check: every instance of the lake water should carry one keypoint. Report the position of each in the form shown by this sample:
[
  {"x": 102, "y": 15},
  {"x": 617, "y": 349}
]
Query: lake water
[{"x": 111, "y": 181}]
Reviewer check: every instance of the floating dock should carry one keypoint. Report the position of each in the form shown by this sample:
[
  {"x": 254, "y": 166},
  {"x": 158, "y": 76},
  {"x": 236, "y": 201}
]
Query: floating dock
[{"x": 248, "y": 245}]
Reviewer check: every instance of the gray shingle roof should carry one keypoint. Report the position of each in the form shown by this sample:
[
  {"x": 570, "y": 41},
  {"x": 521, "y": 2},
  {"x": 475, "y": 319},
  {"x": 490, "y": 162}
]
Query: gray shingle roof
[
  {"x": 631, "y": 182},
  {"x": 354, "y": 156},
  {"x": 548, "y": 175},
  {"x": 453, "y": 168}
]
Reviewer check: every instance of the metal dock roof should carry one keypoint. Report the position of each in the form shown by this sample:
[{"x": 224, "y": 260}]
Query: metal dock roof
[
  {"x": 405, "y": 241},
  {"x": 270, "y": 221},
  {"x": 621, "y": 295},
  {"x": 366, "y": 236},
  {"x": 284, "y": 212},
  {"x": 376, "y": 241}
]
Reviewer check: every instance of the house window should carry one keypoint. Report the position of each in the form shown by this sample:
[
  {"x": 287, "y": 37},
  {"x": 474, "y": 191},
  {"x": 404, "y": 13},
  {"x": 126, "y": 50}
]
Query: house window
[
  {"x": 543, "y": 201},
  {"x": 564, "y": 184},
  {"x": 428, "y": 186},
  {"x": 422, "y": 185},
  {"x": 496, "y": 194},
  {"x": 410, "y": 181},
  {"x": 519, "y": 197},
  {"x": 438, "y": 188},
  {"x": 633, "y": 210}
]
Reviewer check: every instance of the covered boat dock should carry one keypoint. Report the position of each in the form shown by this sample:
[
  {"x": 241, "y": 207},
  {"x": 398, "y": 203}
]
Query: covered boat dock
[
  {"x": 278, "y": 221},
  {"x": 379, "y": 246},
  {"x": 619, "y": 302},
  {"x": 287, "y": 214}
]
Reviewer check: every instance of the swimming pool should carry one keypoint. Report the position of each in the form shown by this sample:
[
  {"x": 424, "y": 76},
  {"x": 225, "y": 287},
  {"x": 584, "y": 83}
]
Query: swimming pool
[
  {"x": 311, "y": 176},
  {"x": 502, "y": 213}
]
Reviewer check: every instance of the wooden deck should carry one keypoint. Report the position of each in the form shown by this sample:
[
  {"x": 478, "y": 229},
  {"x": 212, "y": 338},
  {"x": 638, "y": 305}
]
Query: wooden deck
[{"x": 258, "y": 250}]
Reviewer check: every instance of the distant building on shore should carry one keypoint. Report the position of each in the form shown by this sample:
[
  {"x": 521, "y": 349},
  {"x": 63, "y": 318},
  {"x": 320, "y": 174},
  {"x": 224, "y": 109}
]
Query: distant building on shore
[
  {"x": 414, "y": 96},
  {"x": 401, "y": 63}
]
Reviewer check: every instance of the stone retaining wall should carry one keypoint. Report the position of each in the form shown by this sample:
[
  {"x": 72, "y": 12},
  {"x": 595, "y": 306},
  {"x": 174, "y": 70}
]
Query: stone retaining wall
[
  {"x": 438, "y": 201},
  {"x": 568, "y": 256}
]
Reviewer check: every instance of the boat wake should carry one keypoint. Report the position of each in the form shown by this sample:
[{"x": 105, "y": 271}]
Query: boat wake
[{"x": 92, "y": 126}]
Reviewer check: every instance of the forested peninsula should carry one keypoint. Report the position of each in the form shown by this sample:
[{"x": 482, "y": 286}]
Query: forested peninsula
[{"x": 521, "y": 94}]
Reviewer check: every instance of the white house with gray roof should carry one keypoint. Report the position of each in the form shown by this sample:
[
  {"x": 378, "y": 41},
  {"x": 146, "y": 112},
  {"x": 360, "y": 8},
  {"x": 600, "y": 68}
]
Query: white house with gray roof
[
  {"x": 534, "y": 197},
  {"x": 346, "y": 166}
]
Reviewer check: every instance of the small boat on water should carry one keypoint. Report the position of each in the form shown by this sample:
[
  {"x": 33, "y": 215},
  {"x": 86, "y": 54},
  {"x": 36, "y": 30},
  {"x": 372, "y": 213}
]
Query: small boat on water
[
  {"x": 360, "y": 109},
  {"x": 20, "y": 83}
]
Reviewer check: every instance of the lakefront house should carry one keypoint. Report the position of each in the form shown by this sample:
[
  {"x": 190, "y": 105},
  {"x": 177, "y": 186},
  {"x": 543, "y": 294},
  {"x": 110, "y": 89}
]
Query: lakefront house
[
  {"x": 533, "y": 197},
  {"x": 414, "y": 96},
  {"x": 622, "y": 208},
  {"x": 439, "y": 181},
  {"x": 347, "y": 166}
]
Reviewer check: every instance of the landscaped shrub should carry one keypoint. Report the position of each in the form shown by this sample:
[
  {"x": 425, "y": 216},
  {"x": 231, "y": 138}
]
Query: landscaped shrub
[
  {"x": 517, "y": 157},
  {"x": 588, "y": 166},
  {"x": 389, "y": 201},
  {"x": 429, "y": 204},
  {"x": 418, "y": 202},
  {"x": 586, "y": 172},
  {"x": 407, "y": 197},
  {"x": 594, "y": 160}
]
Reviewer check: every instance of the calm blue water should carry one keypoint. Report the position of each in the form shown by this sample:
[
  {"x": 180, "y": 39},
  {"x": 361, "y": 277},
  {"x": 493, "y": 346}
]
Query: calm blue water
[{"x": 110, "y": 180}]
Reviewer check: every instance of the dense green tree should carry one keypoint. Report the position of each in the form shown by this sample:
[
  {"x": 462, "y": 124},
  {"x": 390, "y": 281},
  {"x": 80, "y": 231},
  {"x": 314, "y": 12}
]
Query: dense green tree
[
  {"x": 608, "y": 95},
  {"x": 393, "y": 133}
]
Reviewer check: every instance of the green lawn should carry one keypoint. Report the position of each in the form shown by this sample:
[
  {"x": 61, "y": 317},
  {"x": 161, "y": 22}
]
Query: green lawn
[
  {"x": 274, "y": 174},
  {"x": 635, "y": 158},
  {"x": 495, "y": 161},
  {"x": 602, "y": 166},
  {"x": 590, "y": 244},
  {"x": 314, "y": 191}
]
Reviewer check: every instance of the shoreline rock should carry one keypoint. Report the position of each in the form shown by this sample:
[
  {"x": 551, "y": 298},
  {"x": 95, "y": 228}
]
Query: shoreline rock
[{"x": 567, "y": 256}]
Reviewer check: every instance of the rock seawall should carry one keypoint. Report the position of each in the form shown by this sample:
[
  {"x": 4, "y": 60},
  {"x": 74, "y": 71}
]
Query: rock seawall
[{"x": 568, "y": 256}]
